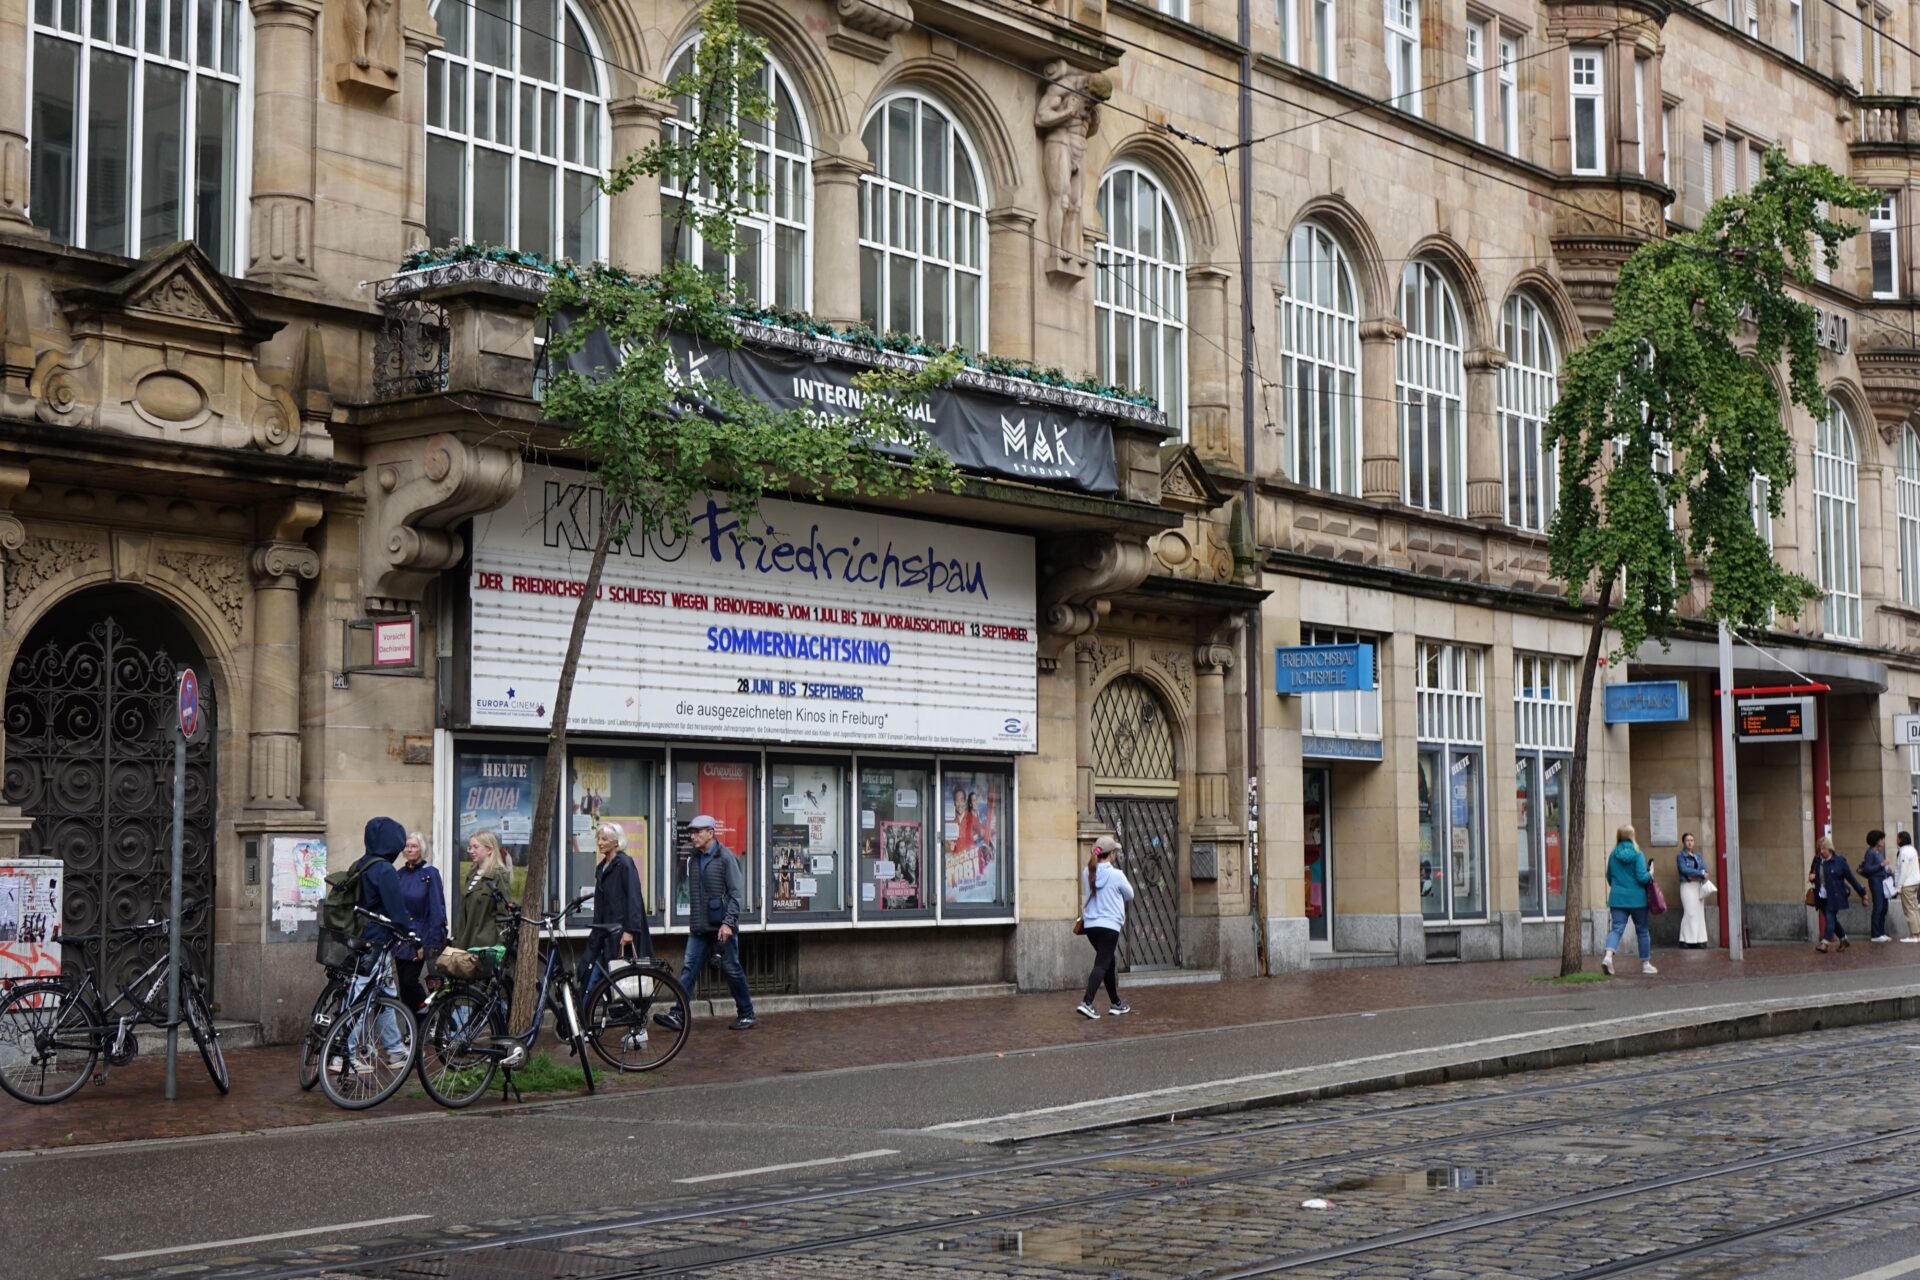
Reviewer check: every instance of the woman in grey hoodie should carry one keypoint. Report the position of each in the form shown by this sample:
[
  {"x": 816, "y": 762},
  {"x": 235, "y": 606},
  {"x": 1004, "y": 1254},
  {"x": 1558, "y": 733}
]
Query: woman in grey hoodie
[{"x": 1104, "y": 894}]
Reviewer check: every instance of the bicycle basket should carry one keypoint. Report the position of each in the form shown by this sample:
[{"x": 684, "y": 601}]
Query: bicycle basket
[
  {"x": 333, "y": 950},
  {"x": 456, "y": 962}
]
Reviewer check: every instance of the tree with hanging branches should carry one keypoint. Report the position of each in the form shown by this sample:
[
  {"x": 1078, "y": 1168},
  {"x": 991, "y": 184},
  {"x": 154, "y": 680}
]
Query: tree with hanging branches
[{"x": 1676, "y": 402}]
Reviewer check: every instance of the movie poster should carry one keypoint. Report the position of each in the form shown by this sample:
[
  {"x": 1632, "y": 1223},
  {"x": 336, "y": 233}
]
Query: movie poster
[{"x": 973, "y": 804}]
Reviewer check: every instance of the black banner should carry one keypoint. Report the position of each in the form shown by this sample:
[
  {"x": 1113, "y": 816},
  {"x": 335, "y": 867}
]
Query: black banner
[{"x": 983, "y": 431}]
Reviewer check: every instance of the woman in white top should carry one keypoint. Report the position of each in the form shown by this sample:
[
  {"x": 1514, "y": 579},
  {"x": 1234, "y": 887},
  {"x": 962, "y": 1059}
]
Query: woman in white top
[
  {"x": 1906, "y": 878},
  {"x": 1104, "y": 895}
]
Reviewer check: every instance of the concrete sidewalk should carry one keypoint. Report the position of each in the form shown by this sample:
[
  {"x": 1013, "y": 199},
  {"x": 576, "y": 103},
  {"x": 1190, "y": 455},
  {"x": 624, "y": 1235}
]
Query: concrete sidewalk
[{"x": 1188, "y": 1048}]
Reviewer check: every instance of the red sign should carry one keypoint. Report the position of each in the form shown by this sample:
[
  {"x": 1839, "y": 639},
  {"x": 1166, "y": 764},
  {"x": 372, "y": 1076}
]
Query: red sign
[{"x": 189, "y": 703}]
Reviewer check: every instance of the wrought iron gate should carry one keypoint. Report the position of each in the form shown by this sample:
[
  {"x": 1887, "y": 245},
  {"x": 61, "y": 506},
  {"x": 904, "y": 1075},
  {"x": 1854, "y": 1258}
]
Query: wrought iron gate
[
  {"x": 1149, "y": 831},
  {"x": 90, "y": 757}
]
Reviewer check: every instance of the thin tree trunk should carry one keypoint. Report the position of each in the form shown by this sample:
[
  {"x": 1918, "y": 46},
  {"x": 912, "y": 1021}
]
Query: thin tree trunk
[
  {"x": 526, "y": 973},
  {"x": 1572, "y": 960}
]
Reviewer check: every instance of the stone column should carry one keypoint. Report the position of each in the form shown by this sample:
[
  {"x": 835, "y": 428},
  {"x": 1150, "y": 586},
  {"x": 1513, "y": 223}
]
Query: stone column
[
  {"x": 416, "y": 45},
  {"x": 836, "y": 240},
  {"x": 280, "y": 237},
  {"x": 634, "y": 222},
  {"x": 14, "y": 166},
  {"x": 273, "y": 742},
  {"x": 1010, "y": 282},
  {"x": 1083, "y": 677},
  {"x": 1209, "y": 404},
  {"x": 1486, "y": 499},
  {"x": 1212, "y": 660},
  {"x": 1379, "y": 410}
]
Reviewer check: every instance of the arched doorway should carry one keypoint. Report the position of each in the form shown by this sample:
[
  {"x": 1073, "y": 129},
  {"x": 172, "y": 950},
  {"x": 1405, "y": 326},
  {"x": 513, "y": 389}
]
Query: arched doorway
[
  {"x": 90, "y": 712},
  {"x": 1137, "y": 792}
]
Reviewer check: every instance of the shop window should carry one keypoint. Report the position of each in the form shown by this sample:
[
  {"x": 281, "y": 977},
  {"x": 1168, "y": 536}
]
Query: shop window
[
  {"x": 614, "y": 788},
  {"x": 1543, "y": 728},
  {"x": 976, "y": 839},
  {"x": 1450, "y": 705},
  {"x": 494, "y": 791},
  {"x": 1351, "y": 715},
  {"x": 725, "y": 788},
  {"x": 895, "y": 803},
  {"x": 807, "y": 844}
]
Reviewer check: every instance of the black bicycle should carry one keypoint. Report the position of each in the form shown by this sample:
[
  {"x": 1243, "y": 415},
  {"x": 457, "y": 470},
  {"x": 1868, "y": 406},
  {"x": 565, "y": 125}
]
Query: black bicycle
[
  {"x": 54, "y": 1033},
  {"x": 327, "y": 1008},
  {"x": 369, "y": 1048}
]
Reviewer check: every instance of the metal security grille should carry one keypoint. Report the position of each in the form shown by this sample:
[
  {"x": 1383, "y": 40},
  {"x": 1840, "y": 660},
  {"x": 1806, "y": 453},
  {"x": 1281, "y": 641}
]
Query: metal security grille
[
  {"x": 772, "y": 962},
  {"x": 90, "y": 757},
  {"x": 1132, "y": 740},
  {"x": 1149, "y": 831}
]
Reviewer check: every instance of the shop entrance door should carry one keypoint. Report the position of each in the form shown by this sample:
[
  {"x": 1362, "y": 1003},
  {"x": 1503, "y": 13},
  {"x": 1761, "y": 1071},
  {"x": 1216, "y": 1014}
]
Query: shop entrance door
[
  {"x": 1316, "y": 791},
  {"x": 1149, "y": 834}
]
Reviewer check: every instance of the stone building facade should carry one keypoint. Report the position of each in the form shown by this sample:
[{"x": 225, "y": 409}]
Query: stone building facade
[{"x": 237, "y": 436}]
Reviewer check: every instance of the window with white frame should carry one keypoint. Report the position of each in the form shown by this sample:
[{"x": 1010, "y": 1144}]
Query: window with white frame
[
  {"x": 1758, "y": 501},
  {"x": 1640, "y": 116},
  {"x": 1477, "y": 78},
  {"x": 137, "y": 124},
  {"x": 1883, "y": 225},
  {"x": 1906, "y": 484},
  {"x": 1174, "y": 9},
  {"x": 774, "y": 263},
  {"x": 1431, "y": 378},
  {"x": 1709, "y": 170},
  {"x": 1731, "y": 149},
  {"x": 1403, "y": 54},
  {"x": 1140, "y": 292},
  {"x": 1836, "y": 514},
  {"x": 1543, "y": 722},
  {"x": 1666, "y": 155},
  {"x": 1450, "y": 711},
  {"x": 1325, "y": 60},
  {"x": 1528, "y": 386},
  {"x": 1320, "y": 362},
  {"x": 1756, "y": 166},
  {"x": 516, "y": 129},
  {"x": 1509, "y": 97},
  {"x": 923, "y": 226},
  {"x": 1283, "y": 15},
  {"x": 1750, "y": 15},
  {"x": 1589, "y": 112},
  {"x": 1822, "y": 269},
  {"x": 1797, "y": 28},
  {"x": 1351, "y": 714}
]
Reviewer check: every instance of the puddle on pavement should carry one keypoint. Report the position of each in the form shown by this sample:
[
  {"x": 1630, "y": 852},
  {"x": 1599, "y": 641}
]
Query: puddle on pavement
[{"x": 1449, "y": 1177}]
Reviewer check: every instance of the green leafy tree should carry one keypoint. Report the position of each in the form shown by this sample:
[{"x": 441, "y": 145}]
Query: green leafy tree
[
  {"x": 656, "y": 443},
  {"x": 1676, "y": 402}
]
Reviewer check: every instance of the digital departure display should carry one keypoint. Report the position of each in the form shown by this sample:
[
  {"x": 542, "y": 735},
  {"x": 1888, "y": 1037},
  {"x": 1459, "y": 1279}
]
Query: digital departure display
[{"x": 1775, "y": 720}]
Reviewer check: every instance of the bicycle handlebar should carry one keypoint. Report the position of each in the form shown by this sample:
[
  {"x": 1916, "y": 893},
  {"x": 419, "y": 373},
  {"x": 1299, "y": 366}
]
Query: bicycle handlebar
[{"x": 377, "y": 918}]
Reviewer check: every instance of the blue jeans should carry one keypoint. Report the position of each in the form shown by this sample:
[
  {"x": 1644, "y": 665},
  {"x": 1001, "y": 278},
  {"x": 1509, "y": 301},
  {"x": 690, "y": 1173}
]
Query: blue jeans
[
  {"x": 1639, "y": 917},
  {"x": 1831, "y": 914},
  {"x": 385, "y": 1024},
  {"x": 1879, "y": 929},
  {"x": 703, "y": 946}
]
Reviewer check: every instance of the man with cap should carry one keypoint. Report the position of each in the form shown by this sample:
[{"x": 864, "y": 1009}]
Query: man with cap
[{"x": 716, "y": 887}]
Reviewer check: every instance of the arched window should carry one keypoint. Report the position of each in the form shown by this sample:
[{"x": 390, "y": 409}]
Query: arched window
[
  {"x": 1320, "y": 362},
  {"x": 137, "y": 123},
  {"x": 923, "y": 267},
  {"x": 1140, "y": 292},
  {"x": 1836, "y": 514},
  {"x": 774, "y": 264},
  {"x": 1432, "y": 381},
  {"x": 1906, "y": 481},
  {"x": 1528, "y": 386},
  {"x": 516, "y": 129}
]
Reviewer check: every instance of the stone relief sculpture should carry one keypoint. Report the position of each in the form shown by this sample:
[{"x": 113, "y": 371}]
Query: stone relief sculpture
[
  {"x": 368, "y": 34},
  {"x": 1067, "y": 115}
]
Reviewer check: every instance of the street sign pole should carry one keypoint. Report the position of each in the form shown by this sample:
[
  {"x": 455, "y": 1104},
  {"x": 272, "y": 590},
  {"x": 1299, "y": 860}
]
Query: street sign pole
[
  {"x": 189, "y": 707},
  {"x": 1729, "y": 783}
]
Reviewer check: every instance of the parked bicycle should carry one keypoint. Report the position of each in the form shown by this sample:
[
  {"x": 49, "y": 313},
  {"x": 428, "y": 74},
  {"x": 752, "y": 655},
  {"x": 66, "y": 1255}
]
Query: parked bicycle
[
  {"x": 368, "y": 1050},
  {"x": 54, "y": 1033},
  {"x": 340, "y": 960}
]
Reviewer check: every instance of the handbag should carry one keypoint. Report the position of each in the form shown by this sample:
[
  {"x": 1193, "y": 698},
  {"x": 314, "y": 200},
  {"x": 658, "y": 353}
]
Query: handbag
[
  {"x": 1708, "y": 888},
  {"x": 458, "y": 962},
  {"x": 1656, "y": 901},
  {"x": 634, "y": 986},
  {"x": 1813, "y": 898}
]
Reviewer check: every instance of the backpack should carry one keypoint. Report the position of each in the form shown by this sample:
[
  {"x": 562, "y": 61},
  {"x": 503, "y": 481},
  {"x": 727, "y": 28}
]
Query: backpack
[{"x": 343, "y": 895}]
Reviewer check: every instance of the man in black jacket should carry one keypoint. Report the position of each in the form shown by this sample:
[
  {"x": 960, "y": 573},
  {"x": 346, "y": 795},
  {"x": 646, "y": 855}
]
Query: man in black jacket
[
  {"x": 619, "y": 907},
  {"x": 716, "y": 888}
]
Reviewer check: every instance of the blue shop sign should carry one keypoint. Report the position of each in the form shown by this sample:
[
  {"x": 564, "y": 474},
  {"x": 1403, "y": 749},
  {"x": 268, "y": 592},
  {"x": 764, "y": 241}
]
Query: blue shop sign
[
  {"x": 1322, "y": 668},
  {"x": 1647, "y": 702}
]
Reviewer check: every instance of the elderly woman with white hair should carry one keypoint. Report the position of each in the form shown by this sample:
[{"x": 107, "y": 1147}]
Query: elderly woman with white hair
[
  {"x": 619, "y": 907},
  {"x": 426, "y": 897}
]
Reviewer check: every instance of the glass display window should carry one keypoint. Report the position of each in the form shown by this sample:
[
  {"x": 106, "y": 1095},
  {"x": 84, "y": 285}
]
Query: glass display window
[
  {"x": 976, "y": 839},
  {"x": 807, "y": 838},
  {"x": 726, "y": 789},
  {"x": 895, "y": 803},
  {"x": 494, "y": 790},
  {"x": 610, "y": 787}
]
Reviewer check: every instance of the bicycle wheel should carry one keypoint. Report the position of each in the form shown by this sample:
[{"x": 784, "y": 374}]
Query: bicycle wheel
[
  {"x": 199, "y": 1015},
  {"x": 622, "y": 1029},
  {"x": 369, "y": 1074},
  {"x": 569, "y": 1026},
  {"x": 50, "y": 1040},
  {"x": 457, "y": 1019},
  {"x": 333, "y": 999}
]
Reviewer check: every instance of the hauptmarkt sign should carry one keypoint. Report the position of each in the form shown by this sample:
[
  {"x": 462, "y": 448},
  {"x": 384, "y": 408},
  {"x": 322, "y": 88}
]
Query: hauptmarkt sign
[{"x": 832, "y": 626}]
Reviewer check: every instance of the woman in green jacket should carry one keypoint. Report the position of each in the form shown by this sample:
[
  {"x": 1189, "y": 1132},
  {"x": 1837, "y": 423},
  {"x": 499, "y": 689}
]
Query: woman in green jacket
[
  {"x": 491, "y": 874},
  {"x": 1628, "y": 877}
]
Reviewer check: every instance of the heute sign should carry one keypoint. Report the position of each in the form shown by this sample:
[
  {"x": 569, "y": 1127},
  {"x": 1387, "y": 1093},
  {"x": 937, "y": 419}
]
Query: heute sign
[{"x": 829, "y": 626}]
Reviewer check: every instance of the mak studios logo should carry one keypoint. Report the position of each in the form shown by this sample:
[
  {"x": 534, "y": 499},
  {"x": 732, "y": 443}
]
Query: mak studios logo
[
  {"x": 512, "y": 705},
  {"x": 1043, "y": 444}
]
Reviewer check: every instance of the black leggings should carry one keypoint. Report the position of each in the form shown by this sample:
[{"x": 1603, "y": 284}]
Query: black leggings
[
  {"x": 408, "y": 973},
  {"x": 1104, "y": 941}
]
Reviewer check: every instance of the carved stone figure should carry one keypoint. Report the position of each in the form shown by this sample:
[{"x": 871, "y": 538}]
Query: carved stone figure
[
  {"x": 1068, "y": 113},
  {"x": 372, "y": 34}
]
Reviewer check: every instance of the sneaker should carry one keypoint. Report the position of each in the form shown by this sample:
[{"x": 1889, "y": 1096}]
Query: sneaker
[
  {"x": 1086, "y": 1010},
  {"x": 398, "y": 1061},
  {"x": 635, "y": 1039},
  {"x": 667, "y": 1018},
  {"x": 747, "y": 1023},
  {"x": 1606, "y": 963},
  {"x": 1117, "y": 1010},
  {"x": 336, "y": 1065},
  {"x": 1883, "y": 938},
  {"x": 1910, "y": 939},
  {"x": 1646, "y": 966}
]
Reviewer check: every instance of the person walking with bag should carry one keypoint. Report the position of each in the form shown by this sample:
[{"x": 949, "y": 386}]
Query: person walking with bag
[
  {"x": 1629, "y": 883},
  {"x": 1836, "y": 878},
  {"x": 1105, "y": 892},
  {"x": 1693, "y": 886},
  {"x": 1879, "y": 877},
  {"x": 619, "y": 906},
  {"x": 716, "y": 890},
  {"x": 1906, "y": 880}
]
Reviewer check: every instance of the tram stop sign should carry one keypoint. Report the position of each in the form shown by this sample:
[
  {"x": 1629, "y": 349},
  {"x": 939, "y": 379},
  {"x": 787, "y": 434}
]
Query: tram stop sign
[{"x": 189, "y": 703}]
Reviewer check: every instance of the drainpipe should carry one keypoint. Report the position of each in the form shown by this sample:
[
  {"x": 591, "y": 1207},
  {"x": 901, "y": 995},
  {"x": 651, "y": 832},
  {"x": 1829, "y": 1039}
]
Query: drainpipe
[{"x": 1247, "y": 388}]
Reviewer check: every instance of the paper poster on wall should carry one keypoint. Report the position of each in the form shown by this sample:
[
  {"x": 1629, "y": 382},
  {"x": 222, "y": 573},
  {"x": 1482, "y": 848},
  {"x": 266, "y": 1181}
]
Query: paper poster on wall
[
  {"x": 299, "y": 886},
  {"x": 30, "y": 906},
  {"x": 973, "y": 807},
  {"x": 904, "y": 861},
  {"x": 787, "y": 857},
  {"x": 494, "y": 792}
]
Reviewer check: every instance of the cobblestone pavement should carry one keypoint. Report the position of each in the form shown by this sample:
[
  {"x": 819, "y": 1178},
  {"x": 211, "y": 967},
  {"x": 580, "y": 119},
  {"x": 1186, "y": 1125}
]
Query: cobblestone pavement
[{"x": 1663, "y": 1167}]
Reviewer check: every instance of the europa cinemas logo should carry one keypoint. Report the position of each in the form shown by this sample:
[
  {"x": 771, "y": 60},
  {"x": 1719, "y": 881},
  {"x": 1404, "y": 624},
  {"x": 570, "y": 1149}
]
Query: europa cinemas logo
[{"x": 512, "y": 705}]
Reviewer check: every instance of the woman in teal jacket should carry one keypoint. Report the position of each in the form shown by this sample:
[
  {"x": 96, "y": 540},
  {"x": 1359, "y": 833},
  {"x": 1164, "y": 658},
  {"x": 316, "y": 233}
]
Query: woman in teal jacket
[{"x": 1628, "y": 877}]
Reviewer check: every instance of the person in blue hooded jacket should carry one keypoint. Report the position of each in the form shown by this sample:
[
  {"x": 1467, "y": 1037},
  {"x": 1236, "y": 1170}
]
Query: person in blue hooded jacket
[
  {"x": 380, "y": 891},
  {"x": 1628, "y": 877}
]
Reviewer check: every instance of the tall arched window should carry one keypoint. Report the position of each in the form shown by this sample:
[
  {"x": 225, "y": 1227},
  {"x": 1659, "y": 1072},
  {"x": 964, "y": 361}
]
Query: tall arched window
[
  {"x": 1140, "y": 292},
  {"x": 516, "y": 129},
  {"x": 1320, "y": 362},
  {"x": 1906, "y": 482},
  {"x": 138, "y": 123},
  {"x": 923, "y": 266},
  {"x": 774, "y": 264},
  {"x": 1432, "y": 382},
  {"x": 1528, "y": 386},
  {"x": 1836, "y": 514}
]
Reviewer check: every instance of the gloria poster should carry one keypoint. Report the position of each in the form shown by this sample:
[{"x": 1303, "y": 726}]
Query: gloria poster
[{"x": 818, "y": 625}]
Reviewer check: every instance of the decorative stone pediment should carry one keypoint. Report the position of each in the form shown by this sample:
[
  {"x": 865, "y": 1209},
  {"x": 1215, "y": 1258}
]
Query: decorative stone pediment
[
  {"x": 1184, "y": 483},
  {"x": 175, "y": 285}
]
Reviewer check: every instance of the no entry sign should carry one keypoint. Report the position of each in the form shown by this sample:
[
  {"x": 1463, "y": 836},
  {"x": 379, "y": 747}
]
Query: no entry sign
[{"x": 189, "y": 703}]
